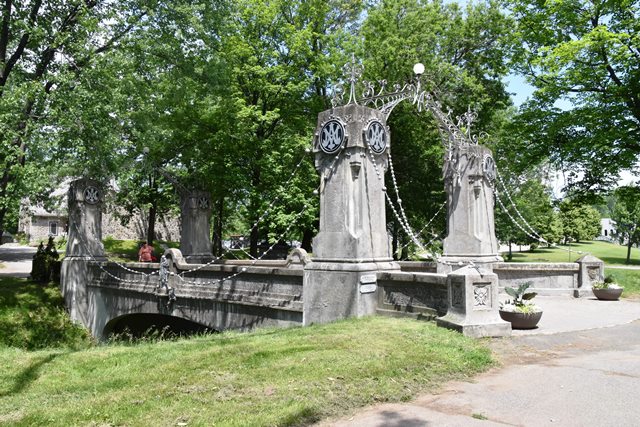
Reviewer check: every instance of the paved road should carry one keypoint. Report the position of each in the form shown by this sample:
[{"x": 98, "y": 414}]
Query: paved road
[
  {"x": 574, "y": 378},
  {"x": 16, "y": 260}
]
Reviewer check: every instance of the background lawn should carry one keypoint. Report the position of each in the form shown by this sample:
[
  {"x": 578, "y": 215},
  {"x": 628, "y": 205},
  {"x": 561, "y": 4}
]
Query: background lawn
[{"x": 610, "y": 253}]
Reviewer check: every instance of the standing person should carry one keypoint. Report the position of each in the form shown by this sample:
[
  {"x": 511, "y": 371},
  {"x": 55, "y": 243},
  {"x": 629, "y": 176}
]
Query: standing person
[{"x": 145, "y": 254}]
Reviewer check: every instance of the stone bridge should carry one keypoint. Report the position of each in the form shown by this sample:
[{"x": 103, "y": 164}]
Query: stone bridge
[{"x": 351, "y": 272}]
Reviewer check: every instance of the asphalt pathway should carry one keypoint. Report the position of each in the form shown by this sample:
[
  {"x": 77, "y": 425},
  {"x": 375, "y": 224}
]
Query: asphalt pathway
[
  {"x": 580, "y": 368},
  {"x": 16, "y": 260}
]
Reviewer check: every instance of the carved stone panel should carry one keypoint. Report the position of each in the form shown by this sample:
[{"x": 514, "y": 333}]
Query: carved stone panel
[{"x": 481, "y": 296}]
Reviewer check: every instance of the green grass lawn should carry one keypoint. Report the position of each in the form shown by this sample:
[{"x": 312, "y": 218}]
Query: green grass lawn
[
  {"x": 267, "y": 377},
  {"x": 610, "y": 253}
]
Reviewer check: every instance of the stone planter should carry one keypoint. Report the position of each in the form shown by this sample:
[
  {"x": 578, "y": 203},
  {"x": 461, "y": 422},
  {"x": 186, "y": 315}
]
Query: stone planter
[
  {"x": 521, "y": 320},
  {"x": 610, "y": 294}
]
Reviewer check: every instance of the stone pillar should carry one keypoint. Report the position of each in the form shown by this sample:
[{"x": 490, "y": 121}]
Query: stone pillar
[
  {"x": 591, "y": 269},
  {"x": 351, "y": 154},
  {"x": 473, "y": 304},
  {"x": 469, "y": 173},
  {"x": 84, "y": 244},
  {"x": 195, "y": 214}
]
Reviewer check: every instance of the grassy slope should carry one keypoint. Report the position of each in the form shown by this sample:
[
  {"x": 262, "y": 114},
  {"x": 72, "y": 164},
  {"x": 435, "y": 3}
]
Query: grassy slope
[
  {"x": 268, "y": 377},
  {"x": 32, "y": 316},
  {"x": 612, "y": 254}
]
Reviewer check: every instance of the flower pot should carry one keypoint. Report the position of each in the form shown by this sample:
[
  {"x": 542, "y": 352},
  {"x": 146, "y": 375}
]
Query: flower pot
[
  {"x": 521, "y": 320},
  {"x": 609, "y": 294}
]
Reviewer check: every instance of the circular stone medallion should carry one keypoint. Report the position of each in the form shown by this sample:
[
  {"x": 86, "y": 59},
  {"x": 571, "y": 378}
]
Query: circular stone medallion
[
  {"x": 376, "y": 137},
  {"x": 91, "y": 195},
  {"x": 489, "y": 168},
  {"x": 203, "y": 202},
  {"x": 332, "y": 136}
]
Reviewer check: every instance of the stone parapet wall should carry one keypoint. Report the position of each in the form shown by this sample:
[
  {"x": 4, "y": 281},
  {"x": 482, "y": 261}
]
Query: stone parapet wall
[
  {"x": 254, "y": 293},
  {"x": 546, "y": 278},
  {"x": 167, "y": 228},
  {"x": 414, "y": 294}
]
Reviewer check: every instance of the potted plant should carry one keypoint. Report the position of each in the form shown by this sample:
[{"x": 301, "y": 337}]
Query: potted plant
[
  {"x": 607, "y": 289},
  {"x": 521, "y": 312}
]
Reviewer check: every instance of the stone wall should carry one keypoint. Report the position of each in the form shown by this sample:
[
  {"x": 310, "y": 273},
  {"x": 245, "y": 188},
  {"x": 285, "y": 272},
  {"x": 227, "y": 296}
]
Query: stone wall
[
  {"x": 422, "y": 295},
  {"x": 167, "y": 227},
  {"x": 546, "y": 278}
]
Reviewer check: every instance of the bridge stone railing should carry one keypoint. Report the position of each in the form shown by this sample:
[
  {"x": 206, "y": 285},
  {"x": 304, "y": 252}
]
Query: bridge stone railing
[{"x": 266, "y": 293}]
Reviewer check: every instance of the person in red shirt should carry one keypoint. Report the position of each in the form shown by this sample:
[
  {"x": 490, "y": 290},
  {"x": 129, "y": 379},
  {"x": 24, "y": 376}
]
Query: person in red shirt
[{"x": 145, "y": 254}]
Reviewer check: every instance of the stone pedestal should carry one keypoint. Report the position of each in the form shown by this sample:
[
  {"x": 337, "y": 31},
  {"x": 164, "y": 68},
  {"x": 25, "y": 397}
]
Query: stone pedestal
[
  {"x": 591, "y": 269},
  {"x": 469, "y": 174},
  {"x": 473, "y": 304},
  {"x": 84, "y": 244},
  {"x": 352, "y": 244},
  {"x": 195, "y": 214}
]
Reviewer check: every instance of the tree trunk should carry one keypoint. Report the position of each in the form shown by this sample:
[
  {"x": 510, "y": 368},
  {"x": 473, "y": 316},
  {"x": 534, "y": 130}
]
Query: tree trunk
[
  {"x": 217, "y": 227},
  {"x": 307, "y": 240},
  {"x": 629, "y": 244},
  {"x": 151, "y": 225},
  {"x": 394, "y": 242},
  {"x": 253, "y": 240},
  {"x": 510, "y": 255}
]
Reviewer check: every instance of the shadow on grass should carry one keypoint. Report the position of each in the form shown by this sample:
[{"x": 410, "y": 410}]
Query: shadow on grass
[{"x": 29, "y": 374}]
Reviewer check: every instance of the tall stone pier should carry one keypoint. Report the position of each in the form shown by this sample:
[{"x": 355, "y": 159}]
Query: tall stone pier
[
  {"x": 195, "y": 214},
  {"x": 469, "y": 174},
  {"x": 471, "y": 248},
  {"x": 351, "y": 155},
  {"x": 84, "y": 244}
]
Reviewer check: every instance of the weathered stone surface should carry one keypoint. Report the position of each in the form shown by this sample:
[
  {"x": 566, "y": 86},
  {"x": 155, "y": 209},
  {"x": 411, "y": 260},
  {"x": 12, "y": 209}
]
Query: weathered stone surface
[
  {"x": 473, "y": 304},
  {"x": 352, "y": 244},
  {"x": 591, "y": 270},
  {"x": 195, "y": 211},
  {"x": 85, "y": 219},
  {"x": 545, "y": 278},
  {"x": 423, "y": 294},
  {"x": 469, "y": 172},
  {"x": 84, "y": 245}
]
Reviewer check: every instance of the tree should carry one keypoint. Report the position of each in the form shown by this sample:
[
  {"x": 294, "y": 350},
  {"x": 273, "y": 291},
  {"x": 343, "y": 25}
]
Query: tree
[
  {"x": 579, "y": 221},
  {"x": 44, "y": 48},
  {"x": 586, "y": 53},
  {"x": 463, "y": 54},
  {"x": 280, "y": 55},
  {"x": 533, "y": 217},
  {"x": 626, "y": 214}
]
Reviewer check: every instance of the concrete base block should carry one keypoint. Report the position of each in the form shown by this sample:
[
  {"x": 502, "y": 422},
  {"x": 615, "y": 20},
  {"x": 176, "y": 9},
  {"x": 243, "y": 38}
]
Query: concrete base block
[
  {"x": 473, "y": 304},
  {"x": 334, "y": 291},
  {"x": 582, "y": 292},
  {"x": 499, "y": 328}
]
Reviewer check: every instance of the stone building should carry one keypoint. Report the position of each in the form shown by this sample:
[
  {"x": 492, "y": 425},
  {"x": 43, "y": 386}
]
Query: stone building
[{"x": 38, "y": 223}]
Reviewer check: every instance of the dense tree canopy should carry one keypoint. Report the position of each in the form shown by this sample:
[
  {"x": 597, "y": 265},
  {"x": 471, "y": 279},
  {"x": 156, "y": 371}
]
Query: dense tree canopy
[
  {"x": 586, "y": 53},
  {"x": 223, "y": 96}
]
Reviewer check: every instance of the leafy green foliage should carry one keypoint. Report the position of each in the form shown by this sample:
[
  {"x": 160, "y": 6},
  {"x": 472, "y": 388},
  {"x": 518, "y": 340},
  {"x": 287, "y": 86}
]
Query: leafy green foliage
[
  {"x": 585, "y": 54},
  {"x": 463, "y": 55},
  {"x": 32, "y": 317},
  {"x": 519, "y": 294},
  {"x": 626, "y": 214},
  {"x": 579, "y": 222}
]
